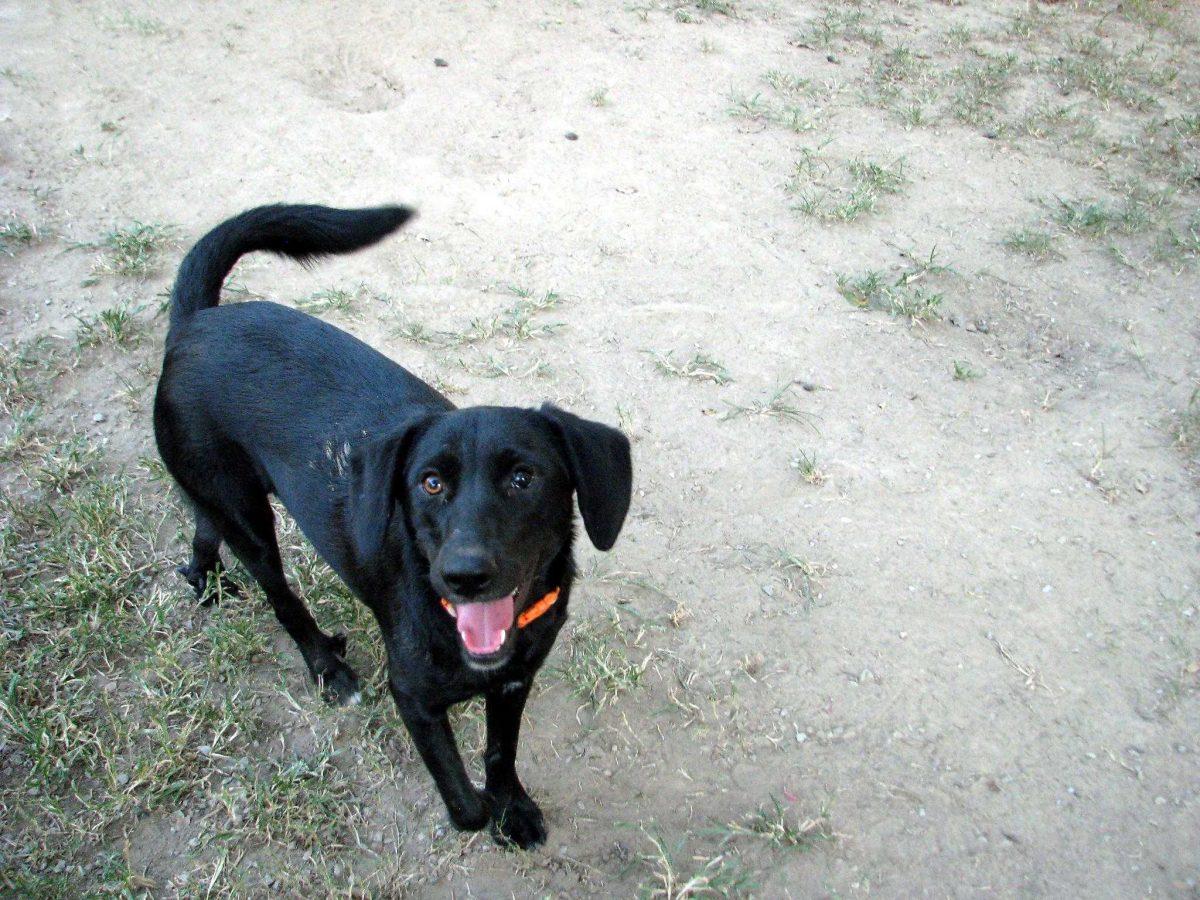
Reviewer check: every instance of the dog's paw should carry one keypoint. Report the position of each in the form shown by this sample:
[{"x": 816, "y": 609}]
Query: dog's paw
[
  {"x": 518, "y": 822},
  {"x": 472, "y": 816},
  {"x": 338, "y": 682},
  {"x": 339, "y": 685},
  {"x": 209, "y": 584}
]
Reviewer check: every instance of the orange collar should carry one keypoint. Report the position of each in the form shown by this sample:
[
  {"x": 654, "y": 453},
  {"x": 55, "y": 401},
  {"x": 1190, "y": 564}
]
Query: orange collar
[{"x": 535, "y": 611}]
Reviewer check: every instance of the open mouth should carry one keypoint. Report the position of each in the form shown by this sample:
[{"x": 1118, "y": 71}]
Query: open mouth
[{"x": 484, "y": 625}]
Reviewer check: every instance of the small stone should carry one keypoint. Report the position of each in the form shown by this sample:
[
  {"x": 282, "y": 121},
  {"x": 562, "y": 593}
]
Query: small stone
[
  {"x": 982, "y": 326},
  {"x": 831, "y": 58},
  {"x": 571, "y": 136},
  {"x": 123, "y": 778},
  {"x": 439, "y": 62},
  {"x": 99, "y": 417}
]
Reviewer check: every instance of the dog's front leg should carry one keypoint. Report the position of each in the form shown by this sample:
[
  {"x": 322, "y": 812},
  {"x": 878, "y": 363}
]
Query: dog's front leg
[
  {"x": 516, "y": 818},
  {"x": 431, "y": 732}
]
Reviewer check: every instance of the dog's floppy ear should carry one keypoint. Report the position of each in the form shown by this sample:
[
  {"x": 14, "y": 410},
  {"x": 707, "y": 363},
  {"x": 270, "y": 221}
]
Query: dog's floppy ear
[
  {"x": 374, "y": 468},
  {"x": 598, "y": 459}
]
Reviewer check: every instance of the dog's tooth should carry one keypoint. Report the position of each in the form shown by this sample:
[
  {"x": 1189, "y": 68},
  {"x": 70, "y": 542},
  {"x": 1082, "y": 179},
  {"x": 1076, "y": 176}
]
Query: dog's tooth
[
  {"x": 453, "y": 610},
  {"x": 503, "y": 635}
]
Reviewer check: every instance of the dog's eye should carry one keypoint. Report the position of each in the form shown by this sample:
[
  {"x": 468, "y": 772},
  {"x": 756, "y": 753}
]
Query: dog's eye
[
  {"x": 522, "y": 478},
  {"x": 432, "y": 485}
]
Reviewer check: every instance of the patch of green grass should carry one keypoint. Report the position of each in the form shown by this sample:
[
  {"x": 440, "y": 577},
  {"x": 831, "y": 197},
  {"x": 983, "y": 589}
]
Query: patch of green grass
[
  {"x": 980, "y": 87},
  {"x": 16, "y": 233},
  {"x": 957, "y": 36},
  {"x": 25, "y": 369},
  {"x": 1186, "y": 125},
  {"x": 132, "y": 251},
  {"x": 721, "y": 7},
  {"x": 678, "y": 875},
  {"x": 1023, "y": 26},
  {"x": 775, "y": 406},
  {"x": 1182, "y": 244},
  {"x": 302, "y": 801},
  {"x": 1186, "y": 426},
  {"x": 1034, "y": 242},
  {"x": 963, "y": 371},
  {"x": 805, "y": 463},
  {"x": 839, "y": 21},
  {"x": 599, "y": 667},
  {"x": 332, "y": 300},
  {"x": 774, "y": 824},
  {"x": 1045, "y": 120},
  {"x": 517, "y": 323},
  {"x": 786, "y": 83},
  {"x": 1107, "y": 73},
  {"x": 147, "y": 26},
  {"x": 898, "y": 65},
  {"x": 117, "y": 326},
  {"x": 699, "y": 367},
  {"x": 495, "y": 366},
  {"x": 903, "y": 297},
  {"x": 24, "y": 436},
  {"x": 599, "y": 97},
  {"x": 1097, "y": 218},
  {"x": 65, "y": 463},
  {"x": 417, "y": 333},
  {"x": 750, "y": 106},
  {"x": 858, "y": 193},
  {"x": 783, "y": 110}
]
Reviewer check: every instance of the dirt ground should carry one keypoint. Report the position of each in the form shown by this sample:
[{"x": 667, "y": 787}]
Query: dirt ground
[{"x": 898, "y": 303}]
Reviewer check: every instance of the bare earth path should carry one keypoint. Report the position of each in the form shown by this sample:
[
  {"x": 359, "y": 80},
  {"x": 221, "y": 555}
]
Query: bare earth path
[{"x": 900, "y": 304}]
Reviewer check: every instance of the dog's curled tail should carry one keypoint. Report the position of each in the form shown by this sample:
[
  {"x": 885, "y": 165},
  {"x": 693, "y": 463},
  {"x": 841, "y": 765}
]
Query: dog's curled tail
[{"x": 304, "y": 233}]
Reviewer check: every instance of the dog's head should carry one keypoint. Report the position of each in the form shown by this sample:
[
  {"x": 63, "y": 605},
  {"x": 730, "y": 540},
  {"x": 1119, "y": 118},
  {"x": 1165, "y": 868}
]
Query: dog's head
[{"x": 486, "y": 492}]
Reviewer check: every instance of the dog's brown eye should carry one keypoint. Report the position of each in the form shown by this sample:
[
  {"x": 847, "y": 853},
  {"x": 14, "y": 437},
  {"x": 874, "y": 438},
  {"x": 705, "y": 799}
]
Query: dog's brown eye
[
  {"x": 432, "y": 485},
  {"x": 521, "y": 479}
]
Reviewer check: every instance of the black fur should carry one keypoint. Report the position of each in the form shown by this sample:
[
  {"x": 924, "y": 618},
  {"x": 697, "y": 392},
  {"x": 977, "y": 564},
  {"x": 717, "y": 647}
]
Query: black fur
[{"x": 258, "y": 399}]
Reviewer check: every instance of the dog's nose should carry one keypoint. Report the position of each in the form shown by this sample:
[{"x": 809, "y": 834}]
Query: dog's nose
[{"x": 469, "y": 572}]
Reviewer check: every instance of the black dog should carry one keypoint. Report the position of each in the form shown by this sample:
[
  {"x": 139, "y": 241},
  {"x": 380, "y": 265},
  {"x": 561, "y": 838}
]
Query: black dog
[{"x": 454, "y": 526}]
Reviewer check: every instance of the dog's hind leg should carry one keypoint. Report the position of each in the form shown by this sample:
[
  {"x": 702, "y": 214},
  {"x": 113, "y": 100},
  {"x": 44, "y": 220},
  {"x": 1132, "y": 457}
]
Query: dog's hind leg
[
  {"x": 206, "y": 561},
  {"x": 252, "y": 538}
]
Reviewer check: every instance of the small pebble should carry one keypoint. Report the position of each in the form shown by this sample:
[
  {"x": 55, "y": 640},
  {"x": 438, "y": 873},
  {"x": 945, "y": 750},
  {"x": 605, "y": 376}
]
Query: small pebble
[
  {"x": 99, "y": 417},
  {"x": 831, "y": 58},
  {"x": 571, "y": 136},
  {"x": 439, "y": 62}
]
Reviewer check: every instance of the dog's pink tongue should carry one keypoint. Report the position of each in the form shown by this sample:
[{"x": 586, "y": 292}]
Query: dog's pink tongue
[{"x": 483, "y": 626}]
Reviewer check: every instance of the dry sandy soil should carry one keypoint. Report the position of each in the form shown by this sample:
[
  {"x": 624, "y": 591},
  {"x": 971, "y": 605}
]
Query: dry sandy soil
[{"x": 898, "y": 303}]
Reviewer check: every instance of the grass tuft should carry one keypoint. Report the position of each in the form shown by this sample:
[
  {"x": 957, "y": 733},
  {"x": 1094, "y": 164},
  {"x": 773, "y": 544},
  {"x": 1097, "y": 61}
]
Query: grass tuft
[
  {"x": 858, "y": 193},
  {"x": 1032, "y": 242},
  {"x": 332, "y": 300},
  {"x": 699, "y": 367},
  {"x": 132, "y": 251},
  {"x": 599, "y": 667},
  {"x": 117, "y": 326},
  {"x": 805, "y": 463},
  {"x": 964, "y": 372},
  {"x": 16, "y": 233},
  {"x": 676, "y": 875},
  {"x": 773, "y": 824},
  {"x": 903, "y": 297},
  {"x": 775, "y": 406}
]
